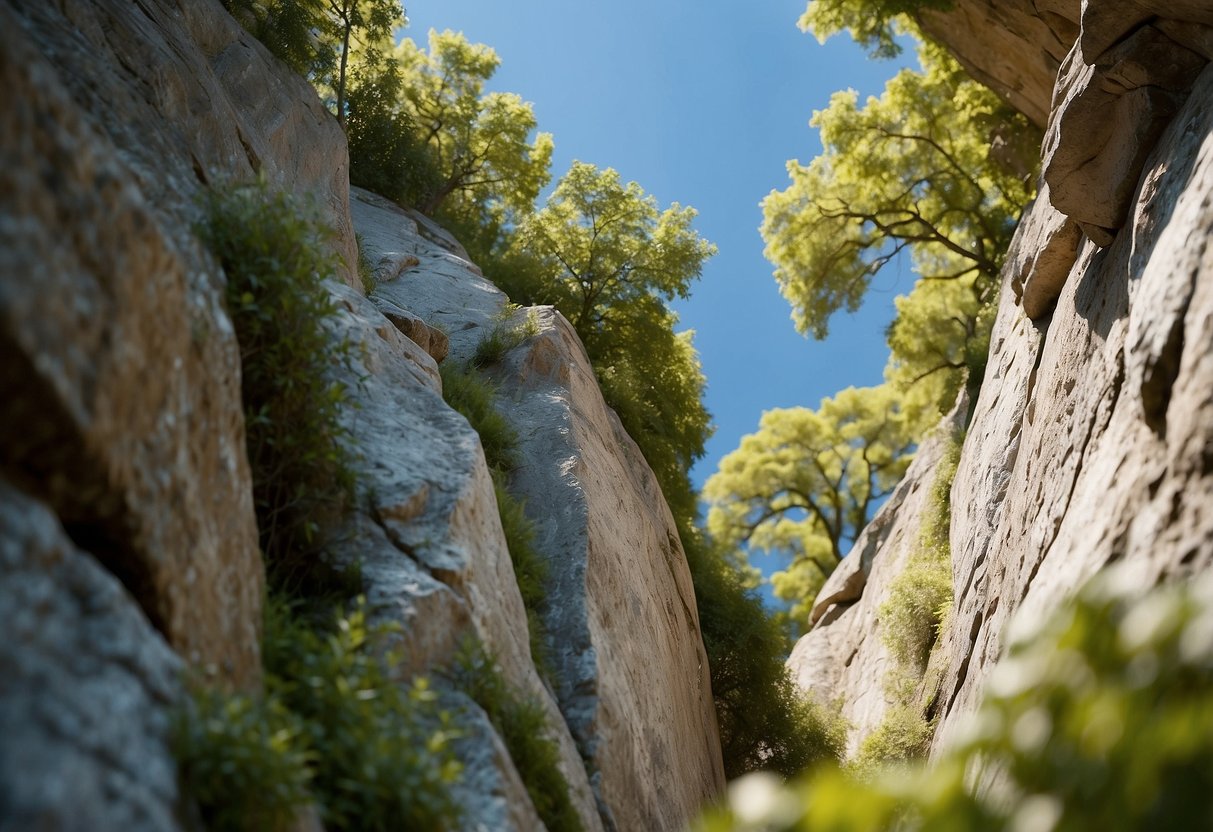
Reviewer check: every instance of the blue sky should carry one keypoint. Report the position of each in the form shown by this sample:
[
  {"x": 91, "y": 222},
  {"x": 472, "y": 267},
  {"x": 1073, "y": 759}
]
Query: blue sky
[{"x": 702, "y": 103}]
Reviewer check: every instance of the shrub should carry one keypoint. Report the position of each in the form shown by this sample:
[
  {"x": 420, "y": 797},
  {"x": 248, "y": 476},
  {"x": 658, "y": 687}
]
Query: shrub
[
  {"x": 522, "y": 725},
  {"x": 472, "y": 396},
  {"x": 503, "y": 337},
  {"x": 243, "y": 760},
  {"x": 764, "y": 721},
  {"x": 275, "y": 255},
  {"x": 381, "y": 752},
  {"x": 1099, "y": 717}
]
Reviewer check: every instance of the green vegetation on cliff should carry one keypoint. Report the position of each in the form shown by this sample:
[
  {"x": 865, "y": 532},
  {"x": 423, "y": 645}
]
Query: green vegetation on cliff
[{"x": 1098, "y": 718}]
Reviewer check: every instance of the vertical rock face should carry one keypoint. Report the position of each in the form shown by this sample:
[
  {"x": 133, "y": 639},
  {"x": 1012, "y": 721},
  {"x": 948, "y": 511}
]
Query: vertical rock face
[
  {"x": 631, "y": 676},
  {"x": 1090, "y": 442},
  {"x": 843, "y": 657}
]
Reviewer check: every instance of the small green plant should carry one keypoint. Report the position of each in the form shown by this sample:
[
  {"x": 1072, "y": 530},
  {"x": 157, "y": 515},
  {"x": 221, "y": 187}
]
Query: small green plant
[
  {"x": 472, "y": 395},
  {"x": 911, "y": 619},
  {"x": 522, "y": 725},
  {"x": 504, "y": 336},
  {"x": 382, "y": 756},
  {"x": 275, "y": 254},
  {"x": 243, "y": 760},
  {"x": 1099, "y": 717}
]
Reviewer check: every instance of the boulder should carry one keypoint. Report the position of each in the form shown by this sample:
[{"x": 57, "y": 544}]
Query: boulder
[
  {"x": 1110, "y": 108},
  {"x": 86, "y": 687}
]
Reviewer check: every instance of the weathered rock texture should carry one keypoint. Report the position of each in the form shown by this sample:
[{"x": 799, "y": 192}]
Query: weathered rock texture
[
  {"x": 1090, "y": 441},
  {"x": 843, "y": 657},
  {"x": 85, "y": 687},
  {"x": 127, "y": 536},
  {"x": 1012, "y": 46},
  {"x": 631, "y": 677}
]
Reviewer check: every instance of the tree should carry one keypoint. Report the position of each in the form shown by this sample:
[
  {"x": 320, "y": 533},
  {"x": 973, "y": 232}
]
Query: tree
[
  {"x": 807, "y": 483},
  {"x": 606, "y": 257},
  {"x": 370, "y": 20},
  {"x": 317, "y": 38},
  {"x": 909, "y": 170},
  {"x": 872, "y": 23},
  {"x": 481, "y": 141}
]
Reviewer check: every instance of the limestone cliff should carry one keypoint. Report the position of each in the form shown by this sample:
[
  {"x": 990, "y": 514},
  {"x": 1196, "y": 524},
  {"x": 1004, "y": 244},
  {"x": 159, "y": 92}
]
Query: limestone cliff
[
  {"x": 127, "y": 532},
  {"x": 1090, "y": 441}
]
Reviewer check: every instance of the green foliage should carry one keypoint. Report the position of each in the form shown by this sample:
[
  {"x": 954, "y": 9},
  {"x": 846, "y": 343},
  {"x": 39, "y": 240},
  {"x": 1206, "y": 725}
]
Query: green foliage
[
  {"x": 380, "y": 751},
  {"x": 606, "y": 257},
  {"x": 908, "y": 171},
  {"x": 911, "y": 614},
  {"x": 487, "y": 163},
  {"x": 503, "y": 337},
  {"x": 387, "y": 154},
  {"x": 764, "y": 722},
  {"x": 275, "y": 255},
  {"x": 469, "y": 393},
  {"x": 807, "y": 482},
  {"x": 473, "y": 396},
  {"x": 288, "y": 28},
  {"x": 522, "y": 725},
  {"x": 242, "y": 760},
  {"x": 1100, "y": 717},
  {"x": 872, "y": 23},
  {"x": 903, "y": 734}
]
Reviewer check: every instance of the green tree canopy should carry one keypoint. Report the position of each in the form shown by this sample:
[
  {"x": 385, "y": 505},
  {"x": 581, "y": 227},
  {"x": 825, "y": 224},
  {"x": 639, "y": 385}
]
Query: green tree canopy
[
  {"x": 482, "y": 142},
  {"x": 605, "y": 255},
  {"x": 909, "y": 170},
  {"x": 808, "y": 481},
  {"x": 872, "y": 23}
]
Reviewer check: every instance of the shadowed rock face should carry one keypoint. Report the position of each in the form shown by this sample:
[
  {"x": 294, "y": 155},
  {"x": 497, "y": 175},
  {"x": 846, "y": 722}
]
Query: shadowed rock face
[
  {"x": 631, "y": 696},
  {"x": 1090, "y": 441}
]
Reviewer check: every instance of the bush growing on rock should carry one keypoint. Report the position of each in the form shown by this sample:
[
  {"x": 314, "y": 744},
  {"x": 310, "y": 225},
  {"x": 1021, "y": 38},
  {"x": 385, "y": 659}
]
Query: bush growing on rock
[
  {"x": 522, "y": 725},
  {"x": 275, "y": 256},
  {"x": 1099, "y": 717}
]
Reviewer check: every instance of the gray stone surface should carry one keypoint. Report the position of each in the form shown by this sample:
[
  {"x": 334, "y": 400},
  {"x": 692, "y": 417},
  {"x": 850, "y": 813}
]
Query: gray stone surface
[
  {"x": 631, "y": 674},
  {"x": 428, "y": 537},
  {"x": 1090, "y": 442},
  {"x": 843, "y": 657},
  {"x": 86, "y": 687}
]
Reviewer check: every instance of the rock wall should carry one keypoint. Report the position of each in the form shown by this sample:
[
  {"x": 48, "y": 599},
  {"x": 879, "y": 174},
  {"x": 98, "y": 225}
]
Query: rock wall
[
  {"x": 127, "y": 534},
  {"x": 1090, "y": 441},
  {"x": 631, "y": 676}
]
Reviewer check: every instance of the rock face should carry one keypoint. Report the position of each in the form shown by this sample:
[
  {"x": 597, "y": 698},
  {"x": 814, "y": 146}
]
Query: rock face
[
  {"x": 1012, "y": 46},
  {"x": 1090, "y": 441},
  {"x": 127, "y": 535},
  {"x": 631, "y": 676},
  {"x": 85, "y": 686},
  {"x": 843, "y": 657}
]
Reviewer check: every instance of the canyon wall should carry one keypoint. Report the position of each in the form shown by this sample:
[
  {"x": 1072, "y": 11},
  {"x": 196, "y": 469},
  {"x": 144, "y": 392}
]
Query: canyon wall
[
  {"x": 127, "y": 532},
  {"x": 1090, "y": 442}
]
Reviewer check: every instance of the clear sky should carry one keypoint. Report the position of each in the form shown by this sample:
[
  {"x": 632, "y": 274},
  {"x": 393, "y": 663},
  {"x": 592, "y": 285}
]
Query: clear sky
[{"x": 702, "y": 103}]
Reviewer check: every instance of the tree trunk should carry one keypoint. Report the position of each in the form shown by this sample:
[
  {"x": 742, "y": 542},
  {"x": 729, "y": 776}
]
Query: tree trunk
[{"x": 345, "y": 57}]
